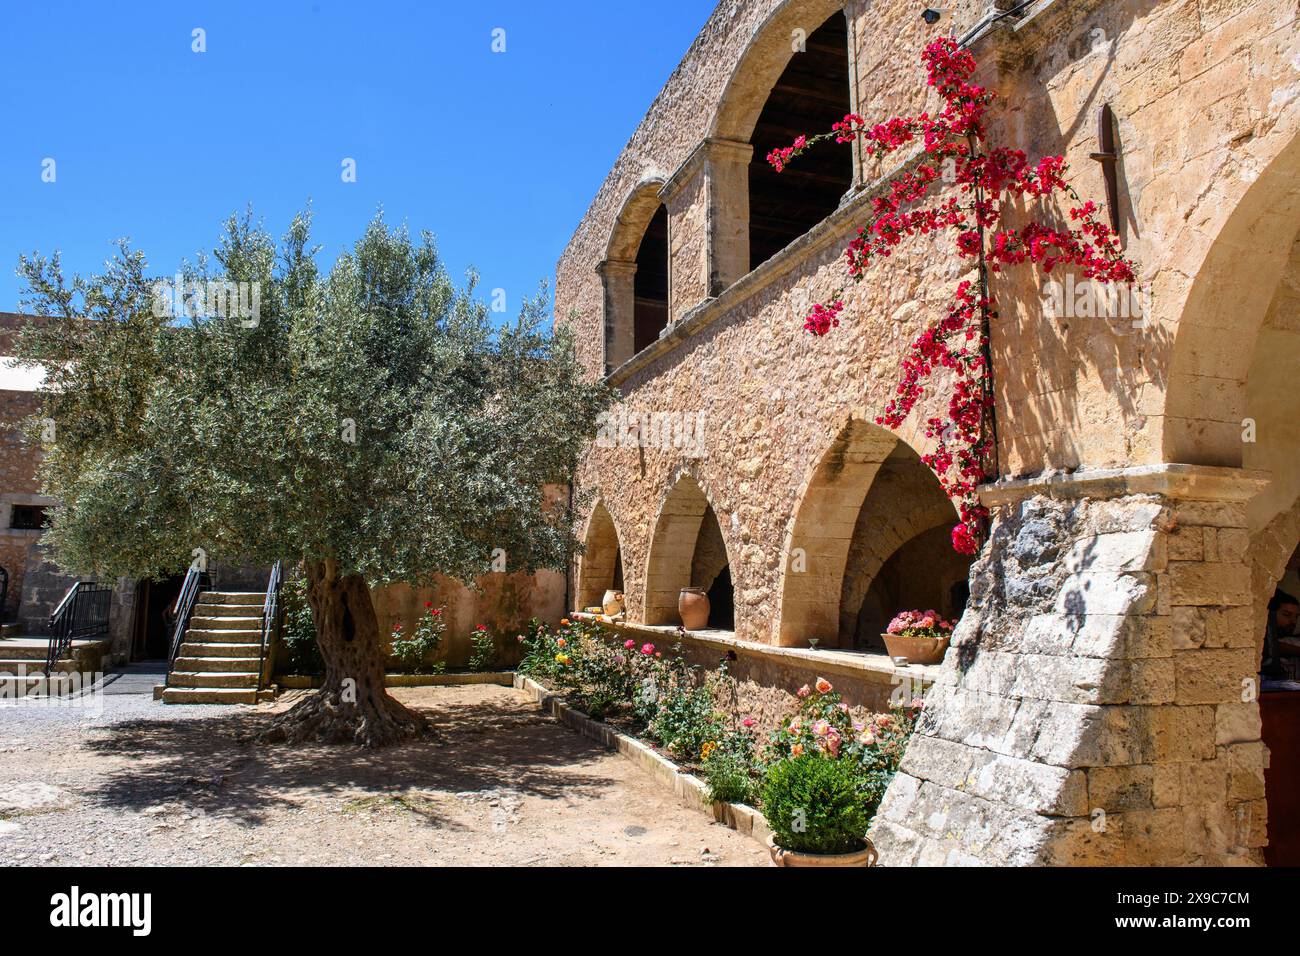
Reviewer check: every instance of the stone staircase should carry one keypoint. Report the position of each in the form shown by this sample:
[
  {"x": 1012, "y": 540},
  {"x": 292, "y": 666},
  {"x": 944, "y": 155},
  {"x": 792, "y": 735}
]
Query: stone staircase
[{"x": 221, "y": 655}]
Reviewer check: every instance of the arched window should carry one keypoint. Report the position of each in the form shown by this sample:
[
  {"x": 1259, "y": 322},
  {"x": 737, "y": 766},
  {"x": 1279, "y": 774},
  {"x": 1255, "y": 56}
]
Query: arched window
[
  {"x": 635, "y": 276},
  {"x": 811, "y": 96}
]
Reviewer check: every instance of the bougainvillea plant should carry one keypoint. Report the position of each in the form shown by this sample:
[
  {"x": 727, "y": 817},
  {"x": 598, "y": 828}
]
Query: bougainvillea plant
[{"x": 956, "y": 153}]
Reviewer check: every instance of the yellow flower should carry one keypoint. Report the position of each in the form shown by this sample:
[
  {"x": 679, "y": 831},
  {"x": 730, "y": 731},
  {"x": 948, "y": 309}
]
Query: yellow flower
[
  {"x": 562, "y": 658},
  {"x": 706, "y": 750}
]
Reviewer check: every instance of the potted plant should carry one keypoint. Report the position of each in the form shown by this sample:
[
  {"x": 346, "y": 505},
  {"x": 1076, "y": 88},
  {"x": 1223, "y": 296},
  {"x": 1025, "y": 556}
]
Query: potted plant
[
  {"x": 816, "y": 814},
  {"x": 920, "y": 636}
]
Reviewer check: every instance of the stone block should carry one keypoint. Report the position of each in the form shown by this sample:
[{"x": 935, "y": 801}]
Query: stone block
[
  {"x": 1236, "y": 723},
  {"x": 1119, "y": 789},
  {"x": 1212, "y": 676},
  {"x": 1208, "y": 583}
]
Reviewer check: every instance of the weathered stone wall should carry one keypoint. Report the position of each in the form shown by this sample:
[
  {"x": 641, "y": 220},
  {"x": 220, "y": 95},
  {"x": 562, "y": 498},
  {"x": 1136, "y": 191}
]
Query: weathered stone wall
[{"x": 1099, "y": 703}]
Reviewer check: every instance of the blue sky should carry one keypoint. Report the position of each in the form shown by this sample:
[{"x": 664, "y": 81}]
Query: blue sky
[{"x": 498, "y": 154}]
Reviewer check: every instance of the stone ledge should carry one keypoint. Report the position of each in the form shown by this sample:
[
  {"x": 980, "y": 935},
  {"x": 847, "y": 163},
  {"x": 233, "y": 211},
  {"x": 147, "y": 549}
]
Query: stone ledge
[
  {"x": 1194, "y": 482},
  {"x": 877, "y": 668},
  {"x": 689, "y": 789}
]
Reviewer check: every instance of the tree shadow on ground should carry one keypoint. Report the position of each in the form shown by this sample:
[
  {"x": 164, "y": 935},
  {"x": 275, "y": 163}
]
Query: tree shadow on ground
[{"x": 212, "y": 765}]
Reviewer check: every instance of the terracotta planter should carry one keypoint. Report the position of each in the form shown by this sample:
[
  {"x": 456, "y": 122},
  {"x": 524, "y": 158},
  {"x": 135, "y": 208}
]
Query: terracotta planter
[
  {"x": 612, "y": 603},
  {"x": 917, "y": 650},
  {"x": 693, "y": 606},
  {"x": 867, "y": 856}
]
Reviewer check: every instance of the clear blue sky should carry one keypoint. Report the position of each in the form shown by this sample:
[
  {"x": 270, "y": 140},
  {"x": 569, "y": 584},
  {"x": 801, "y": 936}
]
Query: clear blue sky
[{"x": 498, "y": 154}]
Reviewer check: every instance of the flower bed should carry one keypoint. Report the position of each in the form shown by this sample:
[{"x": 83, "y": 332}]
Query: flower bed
[{"x": 693, "y": 717}]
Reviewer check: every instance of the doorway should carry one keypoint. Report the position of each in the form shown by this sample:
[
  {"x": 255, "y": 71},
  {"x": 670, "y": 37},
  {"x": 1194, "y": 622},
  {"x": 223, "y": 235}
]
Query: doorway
[{"x": 154, "y": 617}]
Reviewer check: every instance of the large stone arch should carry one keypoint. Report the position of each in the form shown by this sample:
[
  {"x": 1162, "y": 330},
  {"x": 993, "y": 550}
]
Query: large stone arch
[
  {"x": 673, "y": 547},
  {"x": 765, "y": 58},
  {"x": 599, "y": 563},
  {"x": 821, "y": 533},
  {"x": 1230, "y": 295}
]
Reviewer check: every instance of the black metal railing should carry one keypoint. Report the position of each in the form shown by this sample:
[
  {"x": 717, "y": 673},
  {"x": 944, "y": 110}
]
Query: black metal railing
[
  {"x": 81, "y": 615},
  {"x": 270, "y": 618},
  {"x": 195, "y": 582}
]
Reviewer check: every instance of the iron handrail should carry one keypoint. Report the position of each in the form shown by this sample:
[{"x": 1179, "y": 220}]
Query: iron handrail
[
  {"x": 82, "y": 614},
  {"x": 270, "y": 613},
  {"x": 185, "y": 602}
]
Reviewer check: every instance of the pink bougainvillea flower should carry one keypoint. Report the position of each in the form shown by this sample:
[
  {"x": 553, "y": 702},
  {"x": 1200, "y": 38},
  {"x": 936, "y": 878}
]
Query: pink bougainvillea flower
[
  {"x": 647, "y": 649},
  {"x": 804, "y": 691},
  {"x": 748, "y": 722},
  {"x": 629, "y": 644}
]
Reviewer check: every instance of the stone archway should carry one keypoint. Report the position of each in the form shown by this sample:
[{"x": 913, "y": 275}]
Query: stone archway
[
  {"x": 600, "y": 566},
  {"x": 681, "y": 548},
  {"x": 635, "y": 274},
  {"x": 822, "y": 533}
]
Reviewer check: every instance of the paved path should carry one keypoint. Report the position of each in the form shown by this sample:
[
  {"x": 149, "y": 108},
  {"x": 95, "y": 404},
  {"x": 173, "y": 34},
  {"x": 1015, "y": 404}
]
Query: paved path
[{"x": 146, "y": 783}]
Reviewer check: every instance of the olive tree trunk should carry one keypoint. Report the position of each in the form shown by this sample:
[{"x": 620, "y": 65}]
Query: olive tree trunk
[{"x": 352, "y": 705}]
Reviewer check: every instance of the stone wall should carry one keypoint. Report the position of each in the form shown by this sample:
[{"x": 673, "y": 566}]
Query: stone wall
[{"x": 1098, "y": 705}]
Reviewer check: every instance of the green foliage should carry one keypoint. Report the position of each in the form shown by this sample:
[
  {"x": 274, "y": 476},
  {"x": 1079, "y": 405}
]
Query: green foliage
[
  {"x": 813, "y": 805},
  {"x": 483, "y": 651},
  {"x": 415, "y": 652},
  {"x": 686, "y": 720},
  {"x": 728, "y": 767},
  {"x": 298, "y": 631},
  {"x": 371, "y": 414}
]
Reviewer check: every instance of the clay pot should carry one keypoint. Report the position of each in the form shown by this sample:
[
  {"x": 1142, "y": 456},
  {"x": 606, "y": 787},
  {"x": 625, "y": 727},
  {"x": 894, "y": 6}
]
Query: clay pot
[
  {"x": 917, "y": 650},
  {"x": 612, "y": 602},
  {"x": 867, "y": 856},
  {"x": 693, "y": 606}
]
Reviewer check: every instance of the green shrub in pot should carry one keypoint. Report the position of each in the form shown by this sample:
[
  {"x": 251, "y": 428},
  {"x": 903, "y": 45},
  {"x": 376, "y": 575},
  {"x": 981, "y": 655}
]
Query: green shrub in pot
[{"x": 814, "y": 805}]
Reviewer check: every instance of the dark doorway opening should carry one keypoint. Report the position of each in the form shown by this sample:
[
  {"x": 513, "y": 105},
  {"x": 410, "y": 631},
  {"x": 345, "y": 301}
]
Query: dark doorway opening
[
  {"x": 722, "y": 602},
  {"x": 154, "y": 617}
]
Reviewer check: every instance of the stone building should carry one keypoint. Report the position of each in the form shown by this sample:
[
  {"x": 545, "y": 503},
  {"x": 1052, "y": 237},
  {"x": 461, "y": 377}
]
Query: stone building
[{"x": 1100, "y": 702}]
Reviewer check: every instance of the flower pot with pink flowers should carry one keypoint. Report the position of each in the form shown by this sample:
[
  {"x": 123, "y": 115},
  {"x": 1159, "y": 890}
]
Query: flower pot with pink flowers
[{"x": 920, "y": 636}]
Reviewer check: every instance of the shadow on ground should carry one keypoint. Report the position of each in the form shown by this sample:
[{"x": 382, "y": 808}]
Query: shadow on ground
[{"x": 210, "y": 764}]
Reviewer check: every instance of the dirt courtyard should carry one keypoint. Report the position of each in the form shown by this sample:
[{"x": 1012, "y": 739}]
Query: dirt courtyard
[{"x": 143, "y": 783}]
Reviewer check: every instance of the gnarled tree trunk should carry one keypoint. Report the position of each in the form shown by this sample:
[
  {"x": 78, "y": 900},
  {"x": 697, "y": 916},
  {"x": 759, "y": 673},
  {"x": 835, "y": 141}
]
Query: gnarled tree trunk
[{"x": 352, "y": 705}]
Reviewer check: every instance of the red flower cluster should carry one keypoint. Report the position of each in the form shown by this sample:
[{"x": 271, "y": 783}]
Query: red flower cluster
[{"x": 984, "y": 179}]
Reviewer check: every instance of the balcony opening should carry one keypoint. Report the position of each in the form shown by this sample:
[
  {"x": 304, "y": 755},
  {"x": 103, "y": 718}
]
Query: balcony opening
[
  {"x": 650, "y": 287},
  {"x": 811, "y": 96}
]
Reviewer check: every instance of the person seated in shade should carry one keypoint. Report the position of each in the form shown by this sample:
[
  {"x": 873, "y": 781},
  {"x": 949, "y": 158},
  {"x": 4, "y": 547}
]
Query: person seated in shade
[{"x": 1281, "y": 653}]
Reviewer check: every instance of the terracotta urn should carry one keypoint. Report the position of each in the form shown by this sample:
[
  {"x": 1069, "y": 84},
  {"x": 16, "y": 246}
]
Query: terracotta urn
[
  {"x": 867, "y": 856},
  {"x": 917, "y": 650},
  {"x": 612, "y": 603},
  {"x": 693, "y": 606}
]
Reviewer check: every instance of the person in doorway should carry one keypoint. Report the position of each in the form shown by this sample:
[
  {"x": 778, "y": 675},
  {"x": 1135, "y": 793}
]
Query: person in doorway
[{"x": 1281, "y": 652}]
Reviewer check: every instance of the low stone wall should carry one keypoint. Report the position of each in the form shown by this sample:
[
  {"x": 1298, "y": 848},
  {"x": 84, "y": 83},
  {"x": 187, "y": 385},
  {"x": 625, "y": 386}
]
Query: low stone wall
[{"x": 767, "y": 677}]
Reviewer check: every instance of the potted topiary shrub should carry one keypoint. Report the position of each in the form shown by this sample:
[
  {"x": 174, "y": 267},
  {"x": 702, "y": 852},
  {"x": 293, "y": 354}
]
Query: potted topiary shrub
[
  {"x": 920, "y": 636},
  {"x": 816, "y": 813}
]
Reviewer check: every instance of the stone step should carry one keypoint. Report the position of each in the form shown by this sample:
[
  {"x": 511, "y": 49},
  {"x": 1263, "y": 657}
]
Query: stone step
[
  {"x": 241, "y": 664},
  {"x": 232, "y": 597},
  {"x": 226, "y": 623},
  {"x": 217, "y": 649},
  {"x": 213, "y": 695},
  {"x": 213, "y": 679},
  {"x": 225, "y": 636},
  {"x": 229, "y": 610}
]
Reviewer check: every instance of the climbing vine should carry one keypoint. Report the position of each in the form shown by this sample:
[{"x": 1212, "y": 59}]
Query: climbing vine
[{"x": 955, "y": 152}]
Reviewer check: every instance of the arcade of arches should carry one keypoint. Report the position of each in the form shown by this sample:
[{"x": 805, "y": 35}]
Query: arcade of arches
[{"x": 1101, "y": 702}]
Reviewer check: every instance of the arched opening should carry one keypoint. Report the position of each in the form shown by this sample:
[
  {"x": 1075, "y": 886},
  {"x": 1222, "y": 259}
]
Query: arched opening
[
  {"x": 635, "y": 275},
  {"x": 811, "y": 95},
  {"x": 650, "y": 310},
  {"x": 688, "y": 550},
  {"x": 600, "y": 566},
  {"x": 870, "y": 539}
]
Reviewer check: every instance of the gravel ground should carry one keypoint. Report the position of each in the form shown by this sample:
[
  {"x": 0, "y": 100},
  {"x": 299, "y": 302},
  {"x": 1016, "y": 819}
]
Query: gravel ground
[{"x": 141, "y": 783}]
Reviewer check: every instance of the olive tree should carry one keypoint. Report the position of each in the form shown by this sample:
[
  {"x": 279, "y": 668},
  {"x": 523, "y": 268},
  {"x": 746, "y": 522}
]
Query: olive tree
[{"x": 368, "y": 421}]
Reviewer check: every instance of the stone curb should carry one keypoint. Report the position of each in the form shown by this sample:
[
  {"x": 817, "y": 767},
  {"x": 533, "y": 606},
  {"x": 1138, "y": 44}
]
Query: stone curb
[
  {"x": 503, "y": 678},
  {"x": 689, "y": 789}
]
